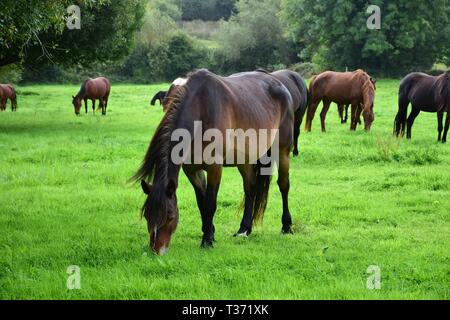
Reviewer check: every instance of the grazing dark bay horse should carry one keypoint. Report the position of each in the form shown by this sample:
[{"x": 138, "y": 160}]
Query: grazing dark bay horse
[
  {"x": 7, "y": 91},
  {"x": 300, "y": 95},
  {"x": 167, "y": 98},
  {"x": 425, "y": 93},
  {"x": 355, "y": 88},
  {"x": 247, "y": 102},
  {"x": 93, "y": 89}
]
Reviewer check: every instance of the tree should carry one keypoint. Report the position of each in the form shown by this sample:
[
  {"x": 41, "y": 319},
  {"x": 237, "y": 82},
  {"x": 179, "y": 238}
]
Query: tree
[
  {"x": 33, "y": 30},
  {"x": 208, "y": 10},
  {"x": 334, "y": 33},
  {"x": 253, "y": 37}
]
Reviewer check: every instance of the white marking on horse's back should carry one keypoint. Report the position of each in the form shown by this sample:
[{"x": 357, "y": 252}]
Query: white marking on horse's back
[{"x": 179, "y": 82}]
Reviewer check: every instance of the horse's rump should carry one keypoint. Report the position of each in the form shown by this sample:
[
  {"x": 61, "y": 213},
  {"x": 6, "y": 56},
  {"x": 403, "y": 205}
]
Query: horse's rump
[{"x": 97, "y": 88}]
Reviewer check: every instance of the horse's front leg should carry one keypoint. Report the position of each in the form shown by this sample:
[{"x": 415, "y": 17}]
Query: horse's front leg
[
  {"x": 249, "y": 179},
  {"x": 212, "y": 189},
  {"x": 284, "y": 185},
  {"x": 198, "y": 181},
  {"x": 356, "y": 115},
  {"x": 93, "y": 106},
  {"x": 86, "y": 105},
  {"x": 323, "y": 114},
  {"x": 341, "y": 112}
]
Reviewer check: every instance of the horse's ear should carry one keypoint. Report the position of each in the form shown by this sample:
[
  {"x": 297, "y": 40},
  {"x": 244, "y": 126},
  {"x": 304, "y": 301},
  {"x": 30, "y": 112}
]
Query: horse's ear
[
  {"x": 171, "y": 188},
  {"x": 147, "y": 188}
]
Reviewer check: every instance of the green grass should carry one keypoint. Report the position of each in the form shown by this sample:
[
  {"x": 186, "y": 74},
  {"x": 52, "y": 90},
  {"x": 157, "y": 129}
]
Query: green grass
[{"x": 357, "y": 200}]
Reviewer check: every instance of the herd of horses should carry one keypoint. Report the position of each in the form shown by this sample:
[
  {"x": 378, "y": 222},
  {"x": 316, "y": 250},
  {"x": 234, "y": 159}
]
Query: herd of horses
[
  {"x": 251, "y": 100},
  {"x": 258, "y": 100}
]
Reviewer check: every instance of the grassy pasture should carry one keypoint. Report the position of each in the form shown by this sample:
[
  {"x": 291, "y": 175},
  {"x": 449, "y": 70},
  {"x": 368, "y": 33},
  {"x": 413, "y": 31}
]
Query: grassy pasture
[{"x": 357, "y": 200}]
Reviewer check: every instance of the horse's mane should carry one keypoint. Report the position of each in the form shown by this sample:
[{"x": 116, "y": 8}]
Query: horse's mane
[
  {"x": 155, "y": 165},
  {"x": 82, "y": 92}
]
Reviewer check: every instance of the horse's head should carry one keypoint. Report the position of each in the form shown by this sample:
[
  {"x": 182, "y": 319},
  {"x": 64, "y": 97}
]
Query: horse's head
[
  {"x": 161, "y": 212},
  {"x": 368, "y": 101},
  {"x": 76, "y": 101}
]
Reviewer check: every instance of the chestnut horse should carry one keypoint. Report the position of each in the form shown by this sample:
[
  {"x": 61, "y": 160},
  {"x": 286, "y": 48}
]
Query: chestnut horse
[
  {"x": 93, "y": 89},
  {"x": 167, "y": 98},
  {"x": 425, "y": 93},
  {"x": 248, "y": 101},
  {"x": 7, "y": 91},
  {"x": 355, "y": 88}
]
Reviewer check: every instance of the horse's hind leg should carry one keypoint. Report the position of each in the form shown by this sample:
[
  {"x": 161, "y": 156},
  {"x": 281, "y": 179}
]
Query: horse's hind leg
[
  {"x": 323, "y": 114},
  {"x": 410, "y": 122},
  {"x": 102, "y": 106},
  {"x": 284, "y": 185},
  {"x": 440, "y": 119},
  {"x": 249, "y": 179},
  {"x": 447, "y": 125}
]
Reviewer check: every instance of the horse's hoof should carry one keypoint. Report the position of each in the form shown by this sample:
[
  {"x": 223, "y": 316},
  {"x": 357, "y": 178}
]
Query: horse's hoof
[
  {"x": 241, "y": 234},
  {"x": 287, "y": 230},
  {"x": 207, "y": 244}
]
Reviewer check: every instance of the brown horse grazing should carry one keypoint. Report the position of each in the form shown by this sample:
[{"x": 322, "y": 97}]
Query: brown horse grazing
[
  {"x": 356, "y": 88},
  {"x": 247, "y": 102},
  {"x": 167, "y": 98},
  {"x": 93, "y": 89},
  {"x": 425, "y": 93},
  {"x": 7, "y": 91}
]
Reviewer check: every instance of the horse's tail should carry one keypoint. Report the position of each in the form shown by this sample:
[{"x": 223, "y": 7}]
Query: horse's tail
[
  {"x": 261, "y": 192},
  {"x": 403, "y": 102}
]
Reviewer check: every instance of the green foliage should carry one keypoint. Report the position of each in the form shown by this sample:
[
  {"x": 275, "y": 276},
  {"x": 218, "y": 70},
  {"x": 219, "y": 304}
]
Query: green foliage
[
  {"x": 253, "y": 37},
  {"x": 210, "y": 10},
  {"x": 11, "y": 73},
  {"x": 65, "y": 200},
  {"x": 413, "y": 35},
  {"x": 306, "y": 69},
  {"x": 36, "y": 31},
  {"x": 22, "y": 22}
]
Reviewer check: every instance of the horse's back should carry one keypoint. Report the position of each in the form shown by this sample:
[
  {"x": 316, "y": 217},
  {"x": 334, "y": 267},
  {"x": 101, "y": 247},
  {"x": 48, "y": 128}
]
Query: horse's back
[
  {"x": 418, "y": 88},
  {"x": 98, "y": 87},
  {"x": 296, "y": 86},
  {"x": 340, "y": 87}
]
